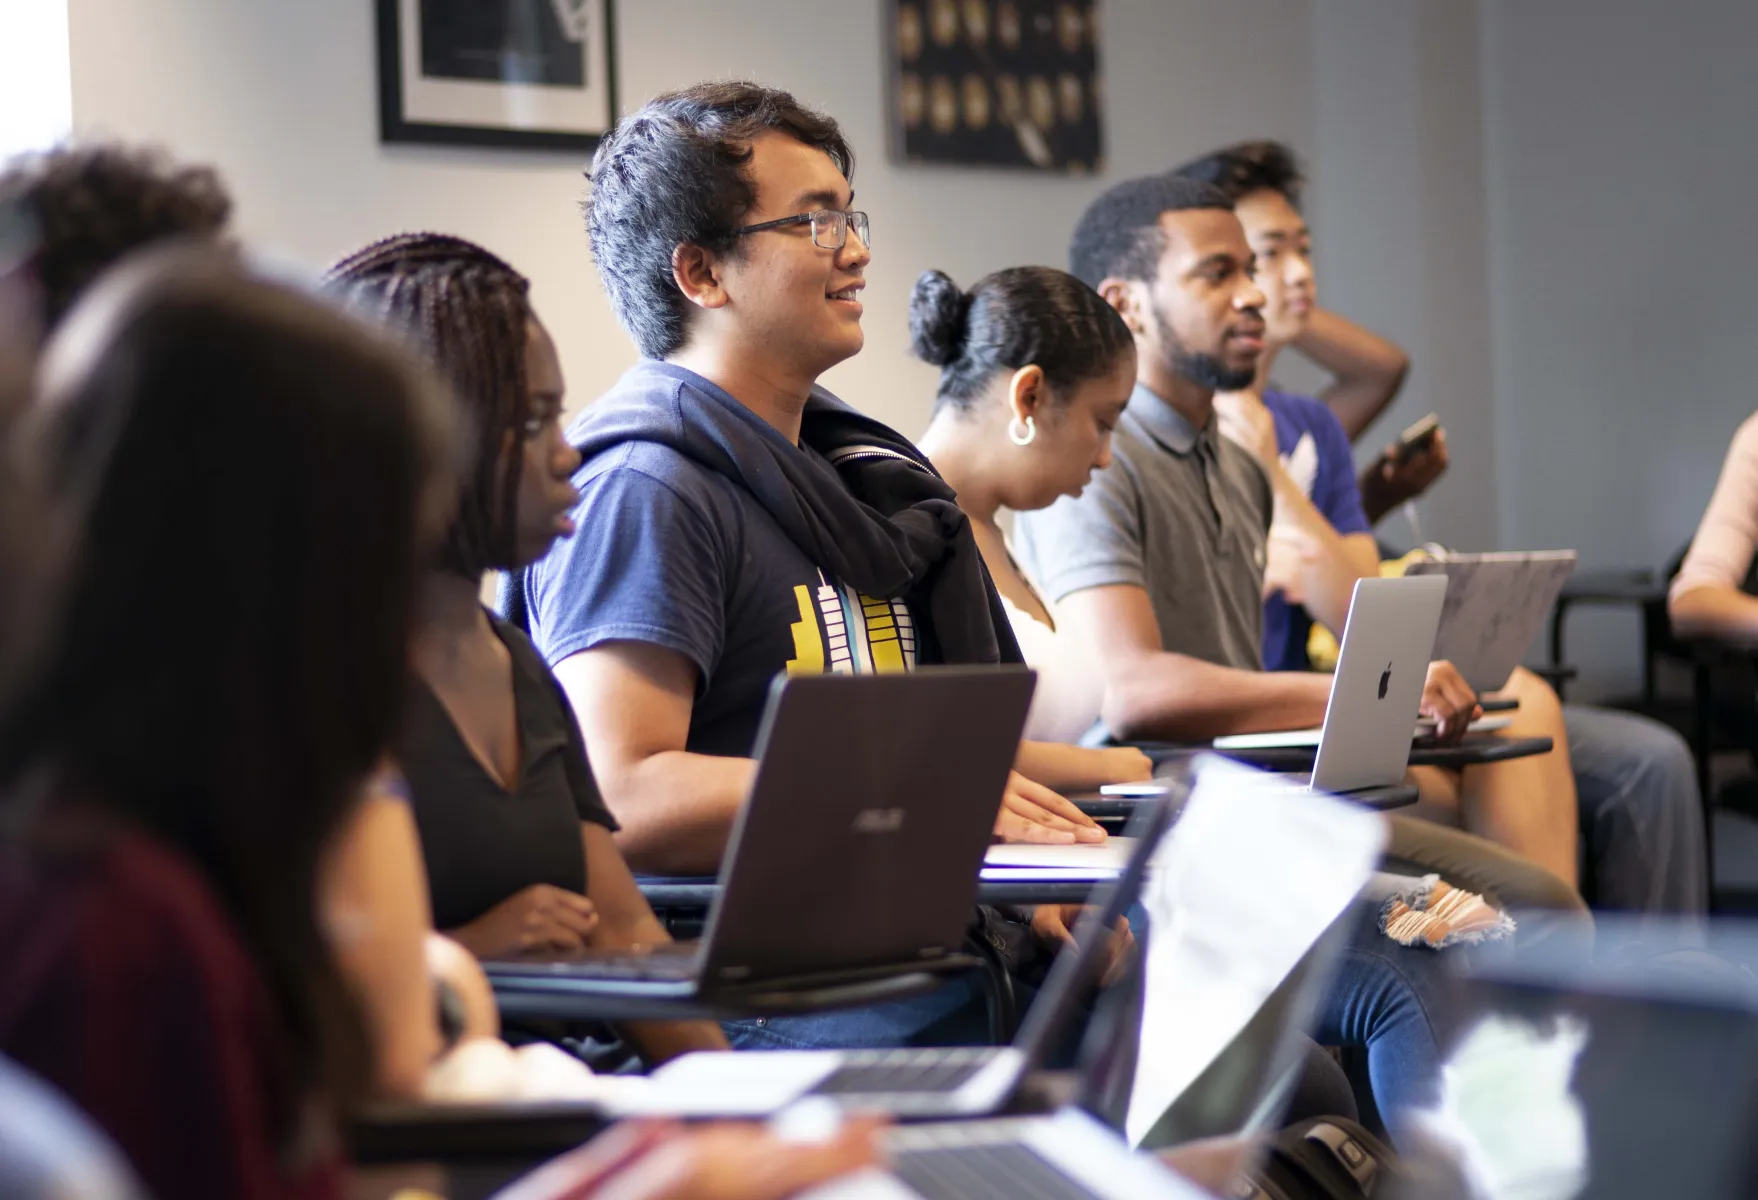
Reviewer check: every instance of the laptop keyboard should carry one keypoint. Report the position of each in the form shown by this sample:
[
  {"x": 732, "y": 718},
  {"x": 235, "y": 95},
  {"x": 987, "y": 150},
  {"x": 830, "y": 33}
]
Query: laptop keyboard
[
  {"x": 904, "y": 1071},
  {"x": 996, "y": 1169},
  {"x": 657, "y": 967}
]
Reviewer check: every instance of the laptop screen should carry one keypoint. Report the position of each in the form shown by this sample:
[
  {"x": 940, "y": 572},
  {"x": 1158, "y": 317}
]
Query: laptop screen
[
  {"x": 1233, "y": 969},
  {"x": 1632, "y": 1078}
]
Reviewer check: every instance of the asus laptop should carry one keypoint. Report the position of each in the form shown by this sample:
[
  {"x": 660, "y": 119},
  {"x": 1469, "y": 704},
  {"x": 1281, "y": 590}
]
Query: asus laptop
[
  {"x": 920, "y": 1083},
  {"x": 855, "y": 857}
]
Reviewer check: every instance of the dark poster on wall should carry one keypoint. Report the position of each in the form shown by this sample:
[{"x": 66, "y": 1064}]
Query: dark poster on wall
[
  {"x": 535, "y": 74},
  {"x": 996, "y": 82},
  {"x": 521, "y": 42}
]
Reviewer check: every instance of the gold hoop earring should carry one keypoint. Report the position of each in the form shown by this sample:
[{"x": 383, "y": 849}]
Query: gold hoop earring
[{"x": 1022, "y": 439}]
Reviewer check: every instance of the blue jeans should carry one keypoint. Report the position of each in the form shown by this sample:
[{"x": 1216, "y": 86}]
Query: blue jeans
[
  {"x": 1641, "y": 817},
  {"x": 1396, "y": 1002},
  {"x": 952, "y": 1015}
]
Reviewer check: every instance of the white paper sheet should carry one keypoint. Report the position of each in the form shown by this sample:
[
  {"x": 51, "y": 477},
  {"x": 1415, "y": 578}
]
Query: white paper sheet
[
  {"x": 1112, "y": 854},
  {"x": 1250, "y": 877}
]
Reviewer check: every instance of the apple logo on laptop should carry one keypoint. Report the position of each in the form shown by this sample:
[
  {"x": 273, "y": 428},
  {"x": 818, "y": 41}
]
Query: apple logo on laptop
[{"x": 1385, "y": 680}]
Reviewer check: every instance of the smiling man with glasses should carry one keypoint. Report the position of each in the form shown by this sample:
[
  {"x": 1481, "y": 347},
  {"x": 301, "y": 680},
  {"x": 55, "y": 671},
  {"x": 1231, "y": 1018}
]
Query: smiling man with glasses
[{"x": 737, "y": 521}]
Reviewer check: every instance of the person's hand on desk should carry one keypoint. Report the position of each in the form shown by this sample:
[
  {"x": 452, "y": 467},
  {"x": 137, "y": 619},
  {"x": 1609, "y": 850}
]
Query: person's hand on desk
[
  {"x": 1449, "y": 701},
  {"x": 541, "y": 917},
  {"x": 1388, "y": 482},
  {"x": 647, "y": 1160},
  {"x": 1053, "y": 925},
  {"x": 1031, "y": 812}
]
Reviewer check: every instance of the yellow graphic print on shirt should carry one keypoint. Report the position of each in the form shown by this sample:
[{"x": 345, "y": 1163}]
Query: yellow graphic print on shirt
[{"x": 842, "y": 631}]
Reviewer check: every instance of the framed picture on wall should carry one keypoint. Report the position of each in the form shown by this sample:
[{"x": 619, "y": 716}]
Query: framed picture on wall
[
  {"x": 1012, "y": 83},
  {"x": 536, "y": 74}
]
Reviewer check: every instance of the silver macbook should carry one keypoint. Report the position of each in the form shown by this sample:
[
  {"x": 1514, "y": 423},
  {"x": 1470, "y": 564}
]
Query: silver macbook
[
  {"x": 1388, "y": 643},
  {"x": 1496, "y": 604}
]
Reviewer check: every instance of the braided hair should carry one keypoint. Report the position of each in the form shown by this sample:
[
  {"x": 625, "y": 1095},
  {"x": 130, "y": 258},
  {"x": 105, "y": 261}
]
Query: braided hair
[{"x": 467, "y": 313}]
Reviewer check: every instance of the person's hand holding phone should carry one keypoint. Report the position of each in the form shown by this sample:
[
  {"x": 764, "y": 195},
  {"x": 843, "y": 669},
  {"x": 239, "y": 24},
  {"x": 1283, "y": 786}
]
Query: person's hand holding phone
[{"x": 1406, "y": 470}]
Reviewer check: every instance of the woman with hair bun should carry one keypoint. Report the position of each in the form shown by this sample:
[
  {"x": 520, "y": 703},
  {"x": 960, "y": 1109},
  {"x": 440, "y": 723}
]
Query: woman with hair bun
[{"x": 1036, "y": 369}]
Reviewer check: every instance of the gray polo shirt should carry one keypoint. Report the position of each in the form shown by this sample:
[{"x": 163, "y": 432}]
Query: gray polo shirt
[{"x": 1182, "y": 513}]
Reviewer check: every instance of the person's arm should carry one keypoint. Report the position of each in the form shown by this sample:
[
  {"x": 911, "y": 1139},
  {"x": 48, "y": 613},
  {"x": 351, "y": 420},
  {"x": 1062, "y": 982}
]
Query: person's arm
[
  {"x": 633, "y": 701},
  {"x": 643, "y": 1159},
  {"x": 1151, "y": 693},
  {"x": 449, "y": 963},
  {"x": 1065, "y": 768},
  {"x": 1322, "y": 571},
  {"x": 1329, "y": 564},
  {"x": 626, "y": 922},
  {"x": 1716, "y": 610},
  {"x": 1707, "y": 598},
  {"x": 1311, "y": 563},
  {"x": 374, "y": 902},
  {"x": 1366, "y": 369},
  {"x": 676, "y": 809}
]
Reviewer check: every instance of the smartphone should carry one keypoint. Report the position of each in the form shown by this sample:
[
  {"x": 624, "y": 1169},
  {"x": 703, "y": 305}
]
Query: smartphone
[{"x": 1416, "y": 439}]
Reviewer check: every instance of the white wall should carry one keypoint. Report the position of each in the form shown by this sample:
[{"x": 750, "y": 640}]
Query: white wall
[
  {"x": 36, "y": 98},
  {"x": 1547, "y": 203},
  {"x": 1397, "y": 211},
  {"x": 282, "y": 97},
  {"x": 1622, "y": 168}
]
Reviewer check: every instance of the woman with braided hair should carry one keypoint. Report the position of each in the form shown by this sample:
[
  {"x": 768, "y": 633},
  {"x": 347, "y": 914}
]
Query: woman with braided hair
[{"x": 516, "y": 840}]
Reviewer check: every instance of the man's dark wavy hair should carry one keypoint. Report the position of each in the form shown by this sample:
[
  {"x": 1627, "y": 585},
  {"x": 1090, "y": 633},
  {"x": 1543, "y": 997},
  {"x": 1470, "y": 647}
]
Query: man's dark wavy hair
[
  {"x": 1249, "y": 167},
  {"x": 673, "y": 173}
]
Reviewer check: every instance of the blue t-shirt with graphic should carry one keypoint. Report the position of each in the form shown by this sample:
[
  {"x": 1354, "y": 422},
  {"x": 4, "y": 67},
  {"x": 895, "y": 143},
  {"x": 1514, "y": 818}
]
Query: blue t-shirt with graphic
[
  {"x": 673, "y": 554},
  {"x": 1315, "y": 450}
]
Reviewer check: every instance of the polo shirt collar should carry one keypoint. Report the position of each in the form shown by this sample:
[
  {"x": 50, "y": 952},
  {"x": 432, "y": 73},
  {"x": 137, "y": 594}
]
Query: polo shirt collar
[{"x": 1166, "y": 425}]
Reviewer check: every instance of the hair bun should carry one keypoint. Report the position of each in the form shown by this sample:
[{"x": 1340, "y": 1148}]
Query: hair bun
[{"x": 938, "y": 314}]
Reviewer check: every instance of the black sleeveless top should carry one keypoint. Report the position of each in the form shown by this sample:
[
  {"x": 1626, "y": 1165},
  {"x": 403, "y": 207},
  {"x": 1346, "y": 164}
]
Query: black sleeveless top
[{"x": 482, "y": 843}]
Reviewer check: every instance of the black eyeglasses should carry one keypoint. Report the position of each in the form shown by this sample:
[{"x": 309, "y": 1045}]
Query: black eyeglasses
[{"x": 829, "y": 227}]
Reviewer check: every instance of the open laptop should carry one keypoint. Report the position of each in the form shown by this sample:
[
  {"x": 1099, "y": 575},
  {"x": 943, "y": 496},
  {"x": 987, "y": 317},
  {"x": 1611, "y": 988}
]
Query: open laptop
[
  {"x": 1635, "y": 1075},
  {"x": 1388, "y": 642},
  {"x": 919, "y": 1083},
  {"x": 1251, "y": 970},
  {"x": 1496, "y": 604},
  {"x": 855, "y": 857}
]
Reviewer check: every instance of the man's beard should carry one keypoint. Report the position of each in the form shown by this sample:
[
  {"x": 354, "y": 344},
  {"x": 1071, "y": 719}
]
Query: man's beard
[{"x": 1204, "y": 370}]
